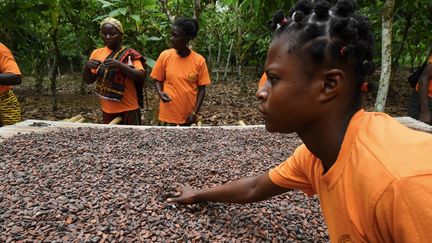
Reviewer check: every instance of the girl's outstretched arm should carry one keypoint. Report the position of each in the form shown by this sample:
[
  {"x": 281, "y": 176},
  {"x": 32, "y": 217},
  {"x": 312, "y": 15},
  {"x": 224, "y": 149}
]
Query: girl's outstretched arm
[{"x": 246, "y": 190}]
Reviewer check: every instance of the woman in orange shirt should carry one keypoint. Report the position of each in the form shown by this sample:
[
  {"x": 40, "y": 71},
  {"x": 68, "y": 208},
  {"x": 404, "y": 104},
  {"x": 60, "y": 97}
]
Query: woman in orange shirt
[
  {"x": 420, "y": 104},
  {"x": 372, "y": 174},
  {"x": 119, "y": 75},
  {"x": 10, "y": 111},
  {"x": 181, "y": 76}
]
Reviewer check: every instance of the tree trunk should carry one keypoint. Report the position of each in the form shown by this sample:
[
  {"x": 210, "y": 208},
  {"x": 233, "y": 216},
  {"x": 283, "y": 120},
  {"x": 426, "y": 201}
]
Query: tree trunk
[
  {"x": 398, "y": 54},
  {"x": 54, "y": 73},
  {"x": 166, "y": 10},
  {"x": 197, "y": 9},
  {"x": 228, "y": 60},
  {"x": 386, "y": 60}
]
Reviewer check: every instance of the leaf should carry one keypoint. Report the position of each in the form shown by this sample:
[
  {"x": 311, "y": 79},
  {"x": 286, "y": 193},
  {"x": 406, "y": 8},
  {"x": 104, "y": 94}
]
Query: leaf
[
  {"x": 136, "y": 17},
  {"x": 105, "y": 4},
  {"x": 154, "y": 38},
  {"x": 150, "y": 62},
  {"x": 122, "y": 11},
  {"x": 100, "y": 17},
  {"x": 148, "y": 3},
  {"x": 114, "y": 13}
]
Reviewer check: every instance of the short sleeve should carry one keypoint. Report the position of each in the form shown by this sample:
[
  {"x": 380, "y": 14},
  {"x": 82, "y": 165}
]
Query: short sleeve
[
  {"x": 158, "y": 71},
  {"x": 204, "y": 75},
  {"x": 7, "y": 62},
  {"x": 138, "y": 64},
  {"x": 291, "y": 174},
  {"x": 404, "y": 213},
  {"x": 93, "y": 56}
]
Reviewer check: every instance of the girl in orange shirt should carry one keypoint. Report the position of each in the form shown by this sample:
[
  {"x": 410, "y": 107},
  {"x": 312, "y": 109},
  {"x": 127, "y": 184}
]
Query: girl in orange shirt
[{"x": 372, "y": 174}]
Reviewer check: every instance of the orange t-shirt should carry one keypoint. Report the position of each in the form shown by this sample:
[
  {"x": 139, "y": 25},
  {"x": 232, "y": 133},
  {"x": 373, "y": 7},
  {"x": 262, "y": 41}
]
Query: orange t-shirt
[
  {"x": 181, "y": 77},
  {"x": 262, "y": 81},
  {"x": 129, "y": 100},
  {"x": 380, "y": 187},
  {"x": 7, "y": 65}
]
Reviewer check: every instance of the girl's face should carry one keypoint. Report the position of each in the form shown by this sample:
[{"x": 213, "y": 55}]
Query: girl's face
[
  {"x": 179, "y": 40},
  {"x": 111, "y": 36},
  {"x": 288, "y": 99}
]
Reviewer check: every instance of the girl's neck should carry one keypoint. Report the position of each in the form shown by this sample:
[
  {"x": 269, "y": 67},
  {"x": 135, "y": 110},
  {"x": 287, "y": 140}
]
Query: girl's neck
[
  {"x": 184, "y": 52},
  {"x": 325, "y": 140},
  {"x": 115, "y": 48}
]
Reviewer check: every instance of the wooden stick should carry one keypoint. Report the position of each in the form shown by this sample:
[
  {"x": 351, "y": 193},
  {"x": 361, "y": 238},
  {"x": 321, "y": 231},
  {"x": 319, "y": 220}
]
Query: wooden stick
[
  {"x": 75, "y": 118},
  {"x": 115, "y": 121},
  {"x": 81, "y": 120}
]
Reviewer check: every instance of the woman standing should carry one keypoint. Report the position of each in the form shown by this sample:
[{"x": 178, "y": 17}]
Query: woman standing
[
  {"x": 181, "y": 76},
  {"x": 10, "y": 111},
  {"x": 119, "y": 74}
]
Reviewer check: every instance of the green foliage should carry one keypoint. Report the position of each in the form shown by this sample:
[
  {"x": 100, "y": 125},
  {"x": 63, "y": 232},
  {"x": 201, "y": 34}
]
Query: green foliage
[{"x": 27, "y": 27}]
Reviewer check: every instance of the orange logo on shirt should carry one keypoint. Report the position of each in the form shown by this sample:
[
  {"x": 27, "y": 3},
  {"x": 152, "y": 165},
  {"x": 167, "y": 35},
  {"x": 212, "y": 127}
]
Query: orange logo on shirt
[
  {"x": 344, "y": 238},
  {"x": 193, "y": 77}
]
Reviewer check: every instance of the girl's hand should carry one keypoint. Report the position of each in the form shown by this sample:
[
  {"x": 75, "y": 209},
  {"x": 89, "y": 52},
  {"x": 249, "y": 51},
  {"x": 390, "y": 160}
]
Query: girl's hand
[
  {"x": 185, "y": 195},
  {"x": 92, "y": 64},
  {"x": 164, "y": 97}
]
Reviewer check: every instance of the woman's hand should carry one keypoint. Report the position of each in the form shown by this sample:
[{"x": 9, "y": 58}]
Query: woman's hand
[
  {"x": 92, "y": 64},
  {"x": 191, "y": 119},
  {"x": 164, "y": 97},
  {"x": 185, "y": 195},
  {"x": 425, "y": 117},
  {"x": 112, "y": 63}
]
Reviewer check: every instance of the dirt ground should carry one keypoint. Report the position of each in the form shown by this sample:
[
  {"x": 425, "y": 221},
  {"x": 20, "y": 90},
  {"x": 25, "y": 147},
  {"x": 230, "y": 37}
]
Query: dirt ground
[{"x": 225, "y": 102}]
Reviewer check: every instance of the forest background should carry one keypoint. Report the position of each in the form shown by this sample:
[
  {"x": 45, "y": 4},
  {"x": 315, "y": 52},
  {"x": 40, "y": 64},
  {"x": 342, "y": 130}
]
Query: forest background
[{"x": 52, "y": 39}]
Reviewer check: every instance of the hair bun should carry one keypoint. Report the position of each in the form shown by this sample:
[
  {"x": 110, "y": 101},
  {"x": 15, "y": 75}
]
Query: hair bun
[
  {"x": 322, "y": 9},
  {"x": 344, "y": 7},
  {"x": 298, "y": 16},
  {"x": 277, "y": 19},
  {"x": 368, "y": 67}
]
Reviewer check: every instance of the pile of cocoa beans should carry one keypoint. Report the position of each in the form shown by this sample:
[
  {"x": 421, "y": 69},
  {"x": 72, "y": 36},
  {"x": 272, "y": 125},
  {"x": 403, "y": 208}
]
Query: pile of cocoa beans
[{"x": 111, "y": 185}]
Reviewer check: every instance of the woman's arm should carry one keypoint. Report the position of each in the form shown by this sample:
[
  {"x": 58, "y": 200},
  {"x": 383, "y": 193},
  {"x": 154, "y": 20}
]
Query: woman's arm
[
  {"x": 88, "y": 76},
  {"x": 192, "y": 118},
  {"x": 246, "y": 190},
  {"x": 132, "y": 73},
  {"x": 162, "y": 95},
  {"x": 10, "y": 79},
  {"x": 425, "y": 78}
]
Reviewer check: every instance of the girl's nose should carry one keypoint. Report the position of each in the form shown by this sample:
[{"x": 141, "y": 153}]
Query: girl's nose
[{"x": 262, "y": 93}]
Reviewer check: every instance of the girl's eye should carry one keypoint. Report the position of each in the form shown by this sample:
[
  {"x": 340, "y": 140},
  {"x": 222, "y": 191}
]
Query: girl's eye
[{"x": 272, "y": 79}]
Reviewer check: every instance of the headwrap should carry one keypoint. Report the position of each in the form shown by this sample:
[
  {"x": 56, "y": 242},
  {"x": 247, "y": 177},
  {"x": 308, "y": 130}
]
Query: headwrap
[{"x": 114, "y": 22}]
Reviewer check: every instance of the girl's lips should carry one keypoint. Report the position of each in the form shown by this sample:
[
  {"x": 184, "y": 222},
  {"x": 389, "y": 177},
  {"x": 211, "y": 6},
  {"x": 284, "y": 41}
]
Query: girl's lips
[{"x": 263, "y": 113}]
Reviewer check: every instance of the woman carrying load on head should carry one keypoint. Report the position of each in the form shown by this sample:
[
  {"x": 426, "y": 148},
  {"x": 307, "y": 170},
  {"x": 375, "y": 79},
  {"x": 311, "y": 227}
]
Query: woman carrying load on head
[
  {"x": 119, "y": 74},
  {"x": 10, "y": 74}
]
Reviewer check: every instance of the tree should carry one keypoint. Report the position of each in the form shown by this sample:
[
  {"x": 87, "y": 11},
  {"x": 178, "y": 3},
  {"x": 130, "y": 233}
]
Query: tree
[{"x": 386, "y": 59}]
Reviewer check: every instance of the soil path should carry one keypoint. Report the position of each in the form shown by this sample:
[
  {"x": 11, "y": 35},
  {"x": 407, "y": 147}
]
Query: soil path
[{"x": 225, "y": 103}]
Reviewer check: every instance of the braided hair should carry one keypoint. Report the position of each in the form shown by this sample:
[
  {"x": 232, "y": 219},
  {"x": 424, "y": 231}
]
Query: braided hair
[
  {"x": 190, "y": 26},
  {"x": 330, "y": 35}
]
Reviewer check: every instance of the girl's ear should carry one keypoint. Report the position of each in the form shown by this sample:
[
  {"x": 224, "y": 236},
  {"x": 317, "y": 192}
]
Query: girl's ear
[{"x": 332, "y": 84}]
